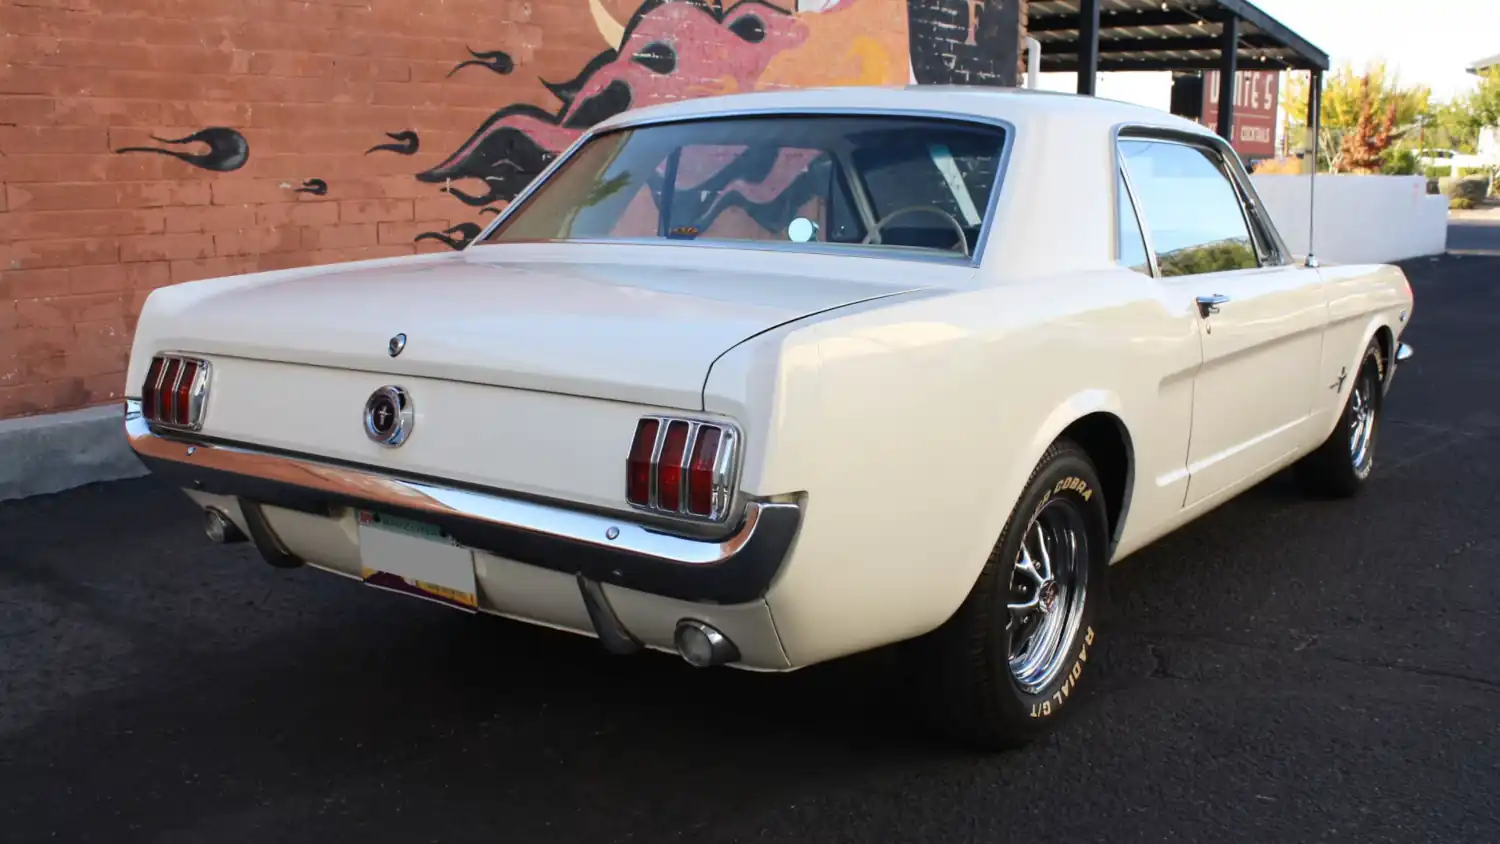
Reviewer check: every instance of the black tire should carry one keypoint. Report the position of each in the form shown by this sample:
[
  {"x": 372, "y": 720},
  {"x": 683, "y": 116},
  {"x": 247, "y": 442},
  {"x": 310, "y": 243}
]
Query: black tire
[
  {"x": 1339, "y": 469},
  {"x": 967, "y": 680}
]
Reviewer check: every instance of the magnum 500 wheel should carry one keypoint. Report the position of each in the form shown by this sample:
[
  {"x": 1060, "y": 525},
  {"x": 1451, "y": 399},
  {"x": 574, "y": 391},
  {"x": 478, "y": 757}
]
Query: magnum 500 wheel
[
  {"x": 1342, "y": 464},
  {"x": 1014, "y": 656}
]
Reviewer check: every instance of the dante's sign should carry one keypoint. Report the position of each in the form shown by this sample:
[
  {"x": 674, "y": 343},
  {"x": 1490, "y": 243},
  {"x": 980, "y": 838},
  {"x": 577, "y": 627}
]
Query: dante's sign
[{"x": 1256, "y": 96}]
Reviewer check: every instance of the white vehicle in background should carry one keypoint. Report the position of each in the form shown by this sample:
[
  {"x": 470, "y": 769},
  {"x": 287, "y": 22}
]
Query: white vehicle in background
[
  {"x": 774, "y": 378},
  {"x": 1454, "y": 159}
]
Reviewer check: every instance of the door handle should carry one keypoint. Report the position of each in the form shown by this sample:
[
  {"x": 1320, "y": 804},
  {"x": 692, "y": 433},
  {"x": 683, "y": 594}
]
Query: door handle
[{"x": 1210, "y": 304}]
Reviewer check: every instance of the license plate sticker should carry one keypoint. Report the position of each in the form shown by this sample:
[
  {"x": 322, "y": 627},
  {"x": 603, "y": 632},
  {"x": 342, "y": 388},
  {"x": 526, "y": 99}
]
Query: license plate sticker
[{"x": 413, "y": 558}]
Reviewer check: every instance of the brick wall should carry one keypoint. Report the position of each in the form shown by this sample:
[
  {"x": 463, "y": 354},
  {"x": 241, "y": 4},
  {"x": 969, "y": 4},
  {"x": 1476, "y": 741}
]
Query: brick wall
[{"x": 151, "y": 142}]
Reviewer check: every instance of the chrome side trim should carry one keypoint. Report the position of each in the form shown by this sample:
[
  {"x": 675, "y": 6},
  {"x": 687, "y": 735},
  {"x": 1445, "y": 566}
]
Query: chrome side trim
[
  {"x": 1403, "y": 352},
  {"x": 733, "y": 569}
]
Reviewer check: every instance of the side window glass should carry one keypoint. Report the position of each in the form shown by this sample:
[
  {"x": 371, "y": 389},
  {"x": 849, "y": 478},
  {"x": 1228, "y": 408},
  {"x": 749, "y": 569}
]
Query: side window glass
[
  {"x": 1190, "y": 207},
  {"x": 1132, "y": 242}
]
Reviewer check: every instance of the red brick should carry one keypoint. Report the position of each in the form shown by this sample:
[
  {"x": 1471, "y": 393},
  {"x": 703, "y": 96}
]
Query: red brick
[
  {"x": 8, "y": 317},
  {"x": 406, "y": 186},
  {"x": 33, "y": 284},
  {"x": 76, "y": 252},
  {"x": 375, "y": 211},
  {"x": 361, "y": 253},
  {"x": 46, "y": 225},
  {"x": 30, "y": 342},
  {"x": 252, "y": 191},
  {"x": 81, "y": 362},
  {"x": 65, "y": 311},
  {"x": 102, "y": 388},
  {"x": 276, "y": 63},
  {"x": 340, "y": 237},
  {"x": 407, "y": 232},
  {"x": 258, "y": 241},
  {"x": 20, "y": 140},
  {"x": 209, "y": 219},
  {"x": 92, "y": 195},
  {"x": 298, "y": 213},
  {"x": 42, "y": 196},
  {"x": 211, "y": 268},
  {"x": 106, "y": 111},
  {"x": 32, "y": 399},
  {"x": 445, "y": 207},
  {"x": 166, "y": 247},
  {"x": 27, "y": 111},
  {"x": 206, "y": 113},
  {"x": 119, "y": 277},
  {"x": 104, "y": 333},
  {"x": 284, "y": 260}
]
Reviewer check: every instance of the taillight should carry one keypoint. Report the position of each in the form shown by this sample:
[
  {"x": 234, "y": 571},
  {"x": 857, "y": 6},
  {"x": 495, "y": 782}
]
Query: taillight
[
  {"x": 669, "y": 467},
  {"x": 700, "y": 476},
  {"x": 682, "y": 467},
  {"x": 176, "y": 391},
  {"x": 638, "y": 465}
]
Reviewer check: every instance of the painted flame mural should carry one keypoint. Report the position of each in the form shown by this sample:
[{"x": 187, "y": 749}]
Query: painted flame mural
[
  {"x": 658, "y": 51},
  {"x": 675, "y": 49}
]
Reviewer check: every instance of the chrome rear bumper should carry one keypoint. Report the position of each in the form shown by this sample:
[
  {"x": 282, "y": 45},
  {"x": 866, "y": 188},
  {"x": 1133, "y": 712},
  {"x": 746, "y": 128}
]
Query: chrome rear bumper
[{"x": 610, "y": 549}]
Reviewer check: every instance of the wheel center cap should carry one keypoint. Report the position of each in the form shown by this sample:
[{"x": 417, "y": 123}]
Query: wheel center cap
[{"x": 1046, "y": 596}]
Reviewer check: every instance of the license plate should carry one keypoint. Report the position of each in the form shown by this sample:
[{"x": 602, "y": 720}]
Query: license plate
[{"x": 401, "y": 555}]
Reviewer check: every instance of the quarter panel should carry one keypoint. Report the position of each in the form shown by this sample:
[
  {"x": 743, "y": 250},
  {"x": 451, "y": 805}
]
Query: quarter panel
[
  {"x": 927, "y": 418},
  {"x": 1361, "y": 299}
]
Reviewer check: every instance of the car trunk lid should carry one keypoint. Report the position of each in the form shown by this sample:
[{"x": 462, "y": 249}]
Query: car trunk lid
[{"x": 642, "y": 332}]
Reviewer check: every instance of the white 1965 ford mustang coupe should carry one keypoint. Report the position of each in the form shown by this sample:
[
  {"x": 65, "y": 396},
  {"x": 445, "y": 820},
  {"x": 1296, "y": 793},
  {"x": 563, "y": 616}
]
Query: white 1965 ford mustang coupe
[{"x": 774, "y": 378}]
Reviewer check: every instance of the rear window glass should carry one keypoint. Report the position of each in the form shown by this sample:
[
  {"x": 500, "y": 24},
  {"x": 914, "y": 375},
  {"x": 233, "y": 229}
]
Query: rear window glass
[{"x": 893, "y": 182}]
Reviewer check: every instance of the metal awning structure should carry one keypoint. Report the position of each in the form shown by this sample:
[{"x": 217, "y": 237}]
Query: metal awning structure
[{"x": 1089, "y": 36}]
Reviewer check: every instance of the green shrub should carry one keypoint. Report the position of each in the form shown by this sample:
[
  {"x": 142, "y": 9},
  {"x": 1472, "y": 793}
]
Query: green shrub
[
  {"x": 1398, "y": 161},
  {"x": 1460, "y": 203},
  {"x": 1469, "y": 188},
  {"x": 1443, "y": 172}
]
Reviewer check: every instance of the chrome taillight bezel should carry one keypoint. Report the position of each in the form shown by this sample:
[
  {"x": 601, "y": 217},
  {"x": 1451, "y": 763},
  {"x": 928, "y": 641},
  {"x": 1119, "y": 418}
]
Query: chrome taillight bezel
[
  {"x": 159, "y": 400},
  {"x": 724, "y": 475}
]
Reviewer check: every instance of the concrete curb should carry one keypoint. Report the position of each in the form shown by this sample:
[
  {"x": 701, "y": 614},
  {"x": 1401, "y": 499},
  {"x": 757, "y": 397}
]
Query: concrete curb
[{"x": 59, "y": 451}]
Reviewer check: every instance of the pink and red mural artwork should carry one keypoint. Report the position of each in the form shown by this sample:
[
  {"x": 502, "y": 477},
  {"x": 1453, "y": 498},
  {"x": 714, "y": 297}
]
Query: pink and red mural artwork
[{"x": 675, "y": 49}]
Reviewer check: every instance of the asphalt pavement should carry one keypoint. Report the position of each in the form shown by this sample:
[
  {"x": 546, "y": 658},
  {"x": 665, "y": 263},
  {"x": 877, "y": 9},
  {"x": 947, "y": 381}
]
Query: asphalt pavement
[{"x": 1281, "y": 670}]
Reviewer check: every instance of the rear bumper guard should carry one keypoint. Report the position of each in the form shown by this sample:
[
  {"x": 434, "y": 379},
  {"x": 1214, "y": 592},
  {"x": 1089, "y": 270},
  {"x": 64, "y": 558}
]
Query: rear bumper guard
[{"x": 734, "y": 569}]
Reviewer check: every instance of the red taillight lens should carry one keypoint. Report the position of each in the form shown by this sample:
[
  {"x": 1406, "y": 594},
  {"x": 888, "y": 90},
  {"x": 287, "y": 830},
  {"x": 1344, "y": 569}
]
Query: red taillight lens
[
  {"x": 675, "y": 467},
  {"x": 149, "y": 396},
  {"x": 185, "y": 392},
  {"x": 176, "y": 391},
  {"x": 167, "y": 396},
  {"x": 669, "y": 468},
  {"x": 700, "y": 480},
  {"x": 638, "y": 465}
]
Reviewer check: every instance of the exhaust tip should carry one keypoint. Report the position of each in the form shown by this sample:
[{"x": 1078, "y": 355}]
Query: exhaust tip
[
  {"x": 703, "y": 646},
  {"x": 220, "y": 528}
]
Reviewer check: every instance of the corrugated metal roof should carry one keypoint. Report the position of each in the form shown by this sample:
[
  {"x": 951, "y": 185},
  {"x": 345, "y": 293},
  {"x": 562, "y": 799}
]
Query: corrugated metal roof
[{"x": 1169, "y": 35}]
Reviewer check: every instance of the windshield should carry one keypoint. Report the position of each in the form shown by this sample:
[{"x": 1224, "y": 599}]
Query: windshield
[{"x": 895, "y": 182}]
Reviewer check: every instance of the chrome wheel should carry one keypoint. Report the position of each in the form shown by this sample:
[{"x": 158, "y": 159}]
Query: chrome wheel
[
  {"x": 1361, "y": 424},
  {"x": 1047, "y": 591}
]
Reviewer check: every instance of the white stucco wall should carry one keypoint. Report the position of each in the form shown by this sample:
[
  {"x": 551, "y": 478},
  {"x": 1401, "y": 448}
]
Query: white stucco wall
[{"x": 1360, "y": 219}]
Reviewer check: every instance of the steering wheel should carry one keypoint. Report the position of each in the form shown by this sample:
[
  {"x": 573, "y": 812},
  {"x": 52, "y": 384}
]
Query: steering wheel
[{"x": 963, "y": 238}]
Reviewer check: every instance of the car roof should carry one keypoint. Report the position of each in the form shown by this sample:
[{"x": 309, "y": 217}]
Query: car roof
[{"x": 1016, "y": 105}]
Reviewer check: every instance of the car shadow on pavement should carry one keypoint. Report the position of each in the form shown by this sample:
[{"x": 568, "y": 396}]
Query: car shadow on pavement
[{"x": 358, "y": 693}]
